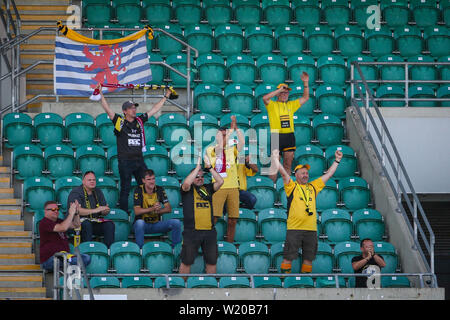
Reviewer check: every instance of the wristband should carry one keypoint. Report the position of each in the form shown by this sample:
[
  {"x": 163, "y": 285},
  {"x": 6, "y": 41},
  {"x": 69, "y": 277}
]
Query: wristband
[
  {"x": 208, "y": 169},
  {"x": 337, "y": 161}
]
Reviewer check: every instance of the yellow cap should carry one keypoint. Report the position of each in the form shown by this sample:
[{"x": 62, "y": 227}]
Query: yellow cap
[
  {"x": 307, "y": 166},
  {"x": 283, "y": 84}
]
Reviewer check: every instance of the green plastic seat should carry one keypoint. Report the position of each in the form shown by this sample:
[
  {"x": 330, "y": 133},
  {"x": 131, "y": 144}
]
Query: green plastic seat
[
  {"x": 395, "y": 282},
  {"x": 425, "y": 12},
  {"x": 49, "y": 128},
  {"x": 228, "y": 260},
  {"x": 108, "y": 186},
  {"x": 328, "y": 129},
  {"x": 328, "y": 197},
  {"x": 370, "y": 72},
  {"x": 137, "y": 282},
  {"x": 37, "y": 191},
  {"x": 203, "y": 128},
  {"x": 158, "y": 257},
  {"x": 277, "y": 12},
  {"x": 261, "y": 90},
  {"x": 359, "y": 8},
  {"x": 208, "y": 99},
  {"x": 119, "y": 217},
  {"x": 91, "y": 158},
  {"x": 106, "y": 34},
  {"x": 263, "y": 189},
  {"x": 179, "y": 62},
  {"x": 80, "y": 128},
  {"x": 272, "y": 224},
  {"x": 336, "y": 12},
  {"x": 254, "y": 257},
  {"x": 234, "y": 282},
  {"x": 298, "y": 282},
  {"x": 349, "y": 162},
  {"x": 409, "y": 41},
  {"x": 354, "y": 192},
  {"x": 329, "y": 282},
  {"x": 229, "y": 39},
  {"x": 312, "y": 155},
  {"x": 324, "y": 261},
  {"x": 445, "y": 7},
  {"x": 242, "y": 121},
  {"x": 211, "y": 69},
  {"x": 444, "y": 92},
  {"x": 201, "y": 282},
  {"x": 320, "y": 40},
  {"x": 389, "y": 91},
  {"x": 344, "y": 252},
  {"x": 184, "y": 159},
  {"x": 217, "y": 11},
  {"x": 172, "y": 188},
  {"x": 331, "y": 99},
  {"x": 271, "y": 69},
  {"x": 303, "y": 129},
  {"x": 125, "y": 257},
  {"x": 438, "y": 40},
  {"x": 259, "y": 40},
  {"x": 267, "y": 282},
  {"x": 260, "y": 123},
  {"x": 422, "y": 92},
  {"x": 302, "y": 63},
  {"x": 187, "y": 12},
  {"x": 332, "y": 69},
  {"x": 276, "y": 257},
  {"x": 395, "y": 12},
  {"x": 171, "y": 282},
  {"x": 105, "y": 130},
  {"x": 349, "y": 40},
  {"x": 17, "y": 129},
  {"x": 290, "y": 40},
  {"x": 239, "y": 99},
  {"x": 242, "y": 69},
  {"x": 158, "y": 71},
  {"x": 127, "y": 11},
  {"x": 28, "y": 161},
  {"x": 336, "y": 225},
  {"x": 380, "y": 41},
  {"x": 392, "y": 72},
  {"x": 98, "y": 252},
  {"x": 166, "y": 45},
  {"x": 97, "y": 11},
  {"x": 156, "y": 158},
  {"x": 173, "y": 128},
  {"x": 113, "y": 162},
  {"x": 247, "y": 12},
  {"x": 200, "y": 37},
  {"x": 389, "y": 254},
  {"x": 368, "y": 224},
  {"x": 157, "y": 12},
  {"x": 246, "y": 226},
  {"x": 59, "y": 161},
  {"x": 104, "y": 282},
  {"x": 425, "y": 72},
  {"x": 307, "y": 12},
  {"x": 63, "y": 187}
]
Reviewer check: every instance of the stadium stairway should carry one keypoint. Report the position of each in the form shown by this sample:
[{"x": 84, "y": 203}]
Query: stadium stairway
[{"x": 20, "y": 276}]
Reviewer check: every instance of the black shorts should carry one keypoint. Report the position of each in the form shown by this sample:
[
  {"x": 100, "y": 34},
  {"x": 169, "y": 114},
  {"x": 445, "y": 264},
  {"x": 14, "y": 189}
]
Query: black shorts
[
  {"x": 296, "y": 239},
  {"x": 193, "y": 240},
  {"x": 286, "y": 141}
]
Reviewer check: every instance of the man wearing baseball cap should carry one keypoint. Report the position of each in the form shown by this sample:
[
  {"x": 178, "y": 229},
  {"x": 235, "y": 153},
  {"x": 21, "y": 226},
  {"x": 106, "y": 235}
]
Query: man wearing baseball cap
[
  {"x": 302, "y": 213},
  {"x": 281, "y": 120},
  {"x": 130, "y": 137}
]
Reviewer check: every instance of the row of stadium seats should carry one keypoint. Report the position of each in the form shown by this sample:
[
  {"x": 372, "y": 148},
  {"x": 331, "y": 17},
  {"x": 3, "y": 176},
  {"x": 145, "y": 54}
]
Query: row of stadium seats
[
  {"x": 238, "y": 282},
  {"x": 250, "y": 257},
  {"x": 256, "y": 41},
  {"x": 273, "y": 12}
]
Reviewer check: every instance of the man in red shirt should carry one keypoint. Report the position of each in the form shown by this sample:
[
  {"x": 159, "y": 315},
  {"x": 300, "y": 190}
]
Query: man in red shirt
[{"x": 53, "y": 237}]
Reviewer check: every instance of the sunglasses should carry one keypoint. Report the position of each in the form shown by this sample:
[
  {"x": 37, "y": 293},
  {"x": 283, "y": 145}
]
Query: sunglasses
[
  {"x": 53, "y": 209},
  {"x": 199, "y": 177}
]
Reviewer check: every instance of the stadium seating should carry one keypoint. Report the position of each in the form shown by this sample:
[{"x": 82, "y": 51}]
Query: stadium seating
[
  {"x": 267, "y": 282},
  {"x": 137, "y": 282},
  {"x": 336, "y": 12},
  {"x": 348, "y": 165},
  {"x": 276, "y": 12},
  {"x": 298, "y": 282},
  {"x": 99, "y": 256},
  {"x": 369, "y": 224},
  {"x": 187, "y": 12},
  {"x": 234, "y": 282},
  {"x": 276, "y": 257},
  {"x": 324, "y": 261},
  {"x": 312, "y": 155},
  {"x": 59, "y": 161},
  {"x": 239, "y": 99},
  {"x": 97, "y": 11},
  {"x": 17, "y": 129},
  {"x": 200, "y": 37},
  {"x": 254, "y": 257},
  {"x": 247, "y": 12},
  {"x": 209, "y": 99},
  {"x": 331, "y": 99},
  {"x": 228, "y": 260},
  {"x": 246, "y": 226},
  {"x": 328, "y": 198},
  {"x": 290, "y": 40},
  {"x": 28, "y": 161},
  {"x": 201, "y": 282},
  {"x": 121, "y": 222},
  {"x": 336, "y": 225},
  {"x": 156, "y": 158},
  {"x": 211, "y": 69},
  {"x": 272, "y": 224},
  {"x": 158, "y": 257},
  {"x": 125, "y": 257},
  {"x": 104, "y": 282},
  {"x": 262, "y": 188},
  {"x": 344, "y": 252},
  {"x": 229, "y": 39},
  {"x": 354, "y": 193},
  {"x": 91, "y": 158},
  {"x": 37, "y": 191},
  {"x": 395, "y": 282},
  {"x": 80, "y": 128},
  {"x": 49, "y": 128},
  {"x": 63, "y": 187},
  {"x": 217, "y": 11},
  {"x": 169, "y": 282}
]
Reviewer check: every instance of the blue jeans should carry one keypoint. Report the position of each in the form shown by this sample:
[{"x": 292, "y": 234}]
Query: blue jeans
[
  {"x": 141, "y": 228},
  {"x": 248, "y": 199},
  {"x": 127, "y": 169},
  {"x": 48, "y": 265}
]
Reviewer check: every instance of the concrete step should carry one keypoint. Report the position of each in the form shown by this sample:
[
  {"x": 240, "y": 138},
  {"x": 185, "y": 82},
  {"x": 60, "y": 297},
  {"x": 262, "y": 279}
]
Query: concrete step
[
  {"x": 5, "y": 182},
  {"x": 8, "y": 280},
  {"x": 43, "y": 2},
  {"x": 6, "y": 193},
  {"x": 9, "y": 215},
  {"x": 10, "y": 201},
  {"x": 41, "y": 17},
  {"x": 12, "y": 225},
  {"x": 14, "y": 236},
  {"x": 37, "y": 47},
  {"x": 18, "y": 292},
  {"x": 20, "y": 267},
  {"x": 15, "y": 247},
  {"x": 14, "y": 259}
]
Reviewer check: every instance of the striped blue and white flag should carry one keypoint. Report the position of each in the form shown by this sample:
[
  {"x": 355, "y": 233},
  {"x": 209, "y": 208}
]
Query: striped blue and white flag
[{"x": 79, "y": 67}]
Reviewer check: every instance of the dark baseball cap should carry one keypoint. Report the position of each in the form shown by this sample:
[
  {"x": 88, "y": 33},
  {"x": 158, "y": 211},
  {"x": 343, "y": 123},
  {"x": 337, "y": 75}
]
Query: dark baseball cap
[{"x": 129, "y": 104}]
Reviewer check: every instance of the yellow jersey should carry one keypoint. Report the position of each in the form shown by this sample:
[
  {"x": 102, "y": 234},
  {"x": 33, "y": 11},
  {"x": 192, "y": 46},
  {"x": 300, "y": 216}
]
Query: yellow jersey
[
  {"x": 243, "y": 173},
  {"x": 301, "y": 197},
  {"x": 230, "y": 179},
  {"x": 281, "y": 115}
]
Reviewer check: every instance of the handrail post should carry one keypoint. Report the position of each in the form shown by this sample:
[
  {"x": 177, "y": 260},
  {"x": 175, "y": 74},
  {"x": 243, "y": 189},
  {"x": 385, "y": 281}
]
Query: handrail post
[{"x": 406, "y": 85}]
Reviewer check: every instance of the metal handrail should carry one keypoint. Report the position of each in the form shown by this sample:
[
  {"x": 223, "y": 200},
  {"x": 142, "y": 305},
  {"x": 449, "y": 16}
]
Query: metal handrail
[{"x": 397, "y": 166}]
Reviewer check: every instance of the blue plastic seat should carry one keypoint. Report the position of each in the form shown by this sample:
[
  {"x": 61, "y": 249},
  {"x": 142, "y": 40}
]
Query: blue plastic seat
[
  {"x": 336, "y": 12},
  {"x": 332, "y": 69},
  {"x": 328, "y": 198},
  {"x": 330, "y": 282},
  {"x": 239, "y": 99},
  {"x": 179, "y": 62},
  {"x": 438, "y": 40},
  {"x": 409, "y": 41},
  {"x": 37, "y": 191},
  {"x": 368, "y": 224},
  {"x": 203, "y": 127},
  {"x": 184, "y": 159},
  {"x": 389, "y": 254},
  {"x": 336, "y": 225},
  {"x": 91, "y": 158},
  {"x": 349, "y": 162},
  {"x": 324, "y": 261},
  {"x": 165, "y": 45},
  {"x": 63, "y": 187},
  {"x": 395, "y": 12},
  {"x": 297, "y": 64},
  {"x": 395, "y": 282},
  {"x": 187, "y": 12},
  {"x": 127, "y": 11},
  {"x": 172, "y": 187},
  {"x": 390, "y": 92},
  {"x": 80, "y": 128},
  {"x": 426, "y": 72},
  {"x": 272, "y": 224},
  {"x": 298, "y": 282},
  {"x": 320, "y": 40},
  {"x": 289, "y": 40},
  {"x": 173, "y": 128},
  {"x": 105, "y": 130},
  {"x": 158, "y": 12},
  {"x": 312, "y": 155},
  {"x": 422, "y": 92},
  {"x": 158, "y": 257},
  {"x": 254, "y": 257},
  {"x": 169, "y": 282},
  {"x": 200, "y": 37},
  {"x": 156, "y": 158},
  {"x": 379, "y": 41},
  {"x": 444, "y": 92},
  {"x": 303, "y": 129},
  {"x": 359, "y": 8},
  {"x": 109, "y": 189},
  {"x": 229, "y": 39},
  {"x": 104, "y": 282},
  {"x": 349, "y": 40},
  {"x": 370, "y": 72},
  {"x": 97, "y": 11},
  {"x": 137, "y": 282}
]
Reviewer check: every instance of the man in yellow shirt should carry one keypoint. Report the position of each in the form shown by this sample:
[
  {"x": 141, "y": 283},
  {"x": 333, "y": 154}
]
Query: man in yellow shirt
[
  {"x": 281, "y": 120},
  {"x": 223, "y": 158},
  {"x": 301, "y": 211}
]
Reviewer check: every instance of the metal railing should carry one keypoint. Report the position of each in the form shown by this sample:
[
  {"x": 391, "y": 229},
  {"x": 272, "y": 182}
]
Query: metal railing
[
  {"x": 13, "y": 47},
  {"x": 388, "y": 156}
]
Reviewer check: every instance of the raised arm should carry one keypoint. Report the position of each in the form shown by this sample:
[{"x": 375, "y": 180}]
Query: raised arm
[
  {"x": 104, "y": 103},
  {"x": 159, "y": 104},
  {"x": 189, "y": 180},
  {"x": 267, "y": 97},
  {"x": 72, "y": 220},
  {"x": 333, "y": 167},
  {"x": 305, "y": 78},
  {"x": 240, "y": 135},
  {"x": 217, "y": 177},
  {"x": 278, "y": 166}
]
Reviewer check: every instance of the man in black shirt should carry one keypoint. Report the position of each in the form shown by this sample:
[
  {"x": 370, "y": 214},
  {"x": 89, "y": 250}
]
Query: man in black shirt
[
  {"x": 198, "y": 218},
  {"x": 130, "y": 142},
  {"x": 362, "y": 263}
]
